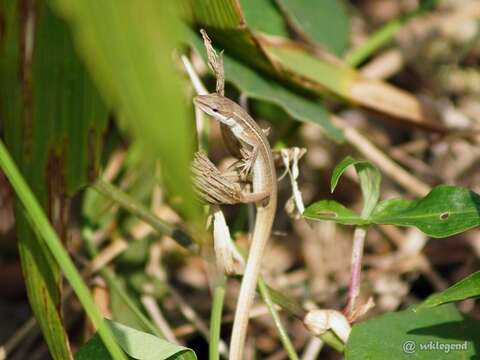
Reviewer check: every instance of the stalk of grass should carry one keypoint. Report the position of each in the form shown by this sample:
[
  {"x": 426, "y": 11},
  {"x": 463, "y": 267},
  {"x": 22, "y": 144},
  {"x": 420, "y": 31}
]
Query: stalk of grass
[
  {"x": 136, "y": 208},
  {"x": 216, "y": 319},
  {"x": 286, "y": 342},
  {"x": 385, "y": 34},
  {"x": 44, "y": 229}
]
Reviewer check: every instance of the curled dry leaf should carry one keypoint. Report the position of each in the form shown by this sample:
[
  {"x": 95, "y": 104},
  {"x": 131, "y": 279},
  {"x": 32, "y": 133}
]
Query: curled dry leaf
[
  {"x": 319, "y": 322},
  {"x": 229, "y": 259},
  {"x": 290, "y": 157}
]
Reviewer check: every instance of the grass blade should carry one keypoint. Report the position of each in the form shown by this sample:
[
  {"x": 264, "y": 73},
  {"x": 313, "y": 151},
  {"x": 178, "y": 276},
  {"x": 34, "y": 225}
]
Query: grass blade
[
  {"x": 130, "y": 58},
  {"x": 54, "y": 120},
  {"x": 40, "y": 223}
]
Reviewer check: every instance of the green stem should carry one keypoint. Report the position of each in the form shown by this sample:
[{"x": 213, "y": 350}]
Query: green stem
[
  {"x": 333, "y": 341},
  {"x": 287, "y": 303},
  {"x": 40, "y": 223},
  {"x": 133, "y": 206},
  {"x": 216, "y": 319},
  {"x": 287, "y": 344},
  {"x": 385, "y": 34},
  {"x": 291, "y": 306}
]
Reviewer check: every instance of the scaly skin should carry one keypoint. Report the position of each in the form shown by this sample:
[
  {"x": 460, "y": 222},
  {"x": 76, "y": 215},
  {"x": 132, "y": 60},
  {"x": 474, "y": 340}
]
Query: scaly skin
[{"x": 252, "y": 138}]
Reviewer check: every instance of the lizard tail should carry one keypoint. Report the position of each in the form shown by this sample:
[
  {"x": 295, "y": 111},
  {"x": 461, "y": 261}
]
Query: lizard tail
[{"x": 261, "y": 233}]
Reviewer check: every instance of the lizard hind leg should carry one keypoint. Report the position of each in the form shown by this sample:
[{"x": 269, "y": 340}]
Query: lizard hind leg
[
  {"x": 249, "y": 198},
  {"x": 248, "y": 159}
]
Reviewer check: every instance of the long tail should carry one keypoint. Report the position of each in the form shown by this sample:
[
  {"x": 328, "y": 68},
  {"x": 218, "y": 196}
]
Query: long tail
[{"x": 261, "y": 234}]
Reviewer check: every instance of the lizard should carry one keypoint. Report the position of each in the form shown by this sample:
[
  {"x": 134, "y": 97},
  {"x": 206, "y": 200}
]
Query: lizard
[{"x": 258, "y": 158}]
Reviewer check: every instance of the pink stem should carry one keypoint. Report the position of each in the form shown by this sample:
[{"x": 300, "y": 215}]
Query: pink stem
[{"x": 357, "y": 254}]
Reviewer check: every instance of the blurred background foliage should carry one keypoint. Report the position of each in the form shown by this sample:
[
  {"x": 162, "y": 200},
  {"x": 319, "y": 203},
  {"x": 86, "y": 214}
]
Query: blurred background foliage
[{"x": 92, "y": 89}]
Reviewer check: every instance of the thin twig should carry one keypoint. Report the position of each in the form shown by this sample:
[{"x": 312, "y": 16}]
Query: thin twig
[
  {"x": 110, "y": 252},
  {"x": 312, "y": 349},
  {"x": 23, "y": 331},
  {"x": 132, "y": 205},
  {"x": 196, "y": 82},
  {"x": 156, "y": 315},
  {"x": 199, "y": 324},
  {"x": 101, "y": 260}
]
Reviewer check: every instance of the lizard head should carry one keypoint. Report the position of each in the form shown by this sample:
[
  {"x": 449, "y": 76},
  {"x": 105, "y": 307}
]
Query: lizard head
[{"x": 219, "y": 107}]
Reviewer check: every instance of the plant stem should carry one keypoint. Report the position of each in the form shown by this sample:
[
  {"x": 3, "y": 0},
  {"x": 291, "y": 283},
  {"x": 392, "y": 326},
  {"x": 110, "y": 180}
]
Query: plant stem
[
  {"x": 136, "y": 208},
  {"x": 333, "y": 341},
  {"x": 357, "y": 254},
  {"x": 287, "y": 303},
  {"x": 385, "y": 34},
  {"x": 41, "y": 225},
  {"x": 216, "y": 319},
  {"x": 287, "y": 344}
]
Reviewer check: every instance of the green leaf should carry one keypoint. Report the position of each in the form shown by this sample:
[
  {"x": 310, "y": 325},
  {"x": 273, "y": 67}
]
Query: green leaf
[
  {"x": 369, "y": 177},
  {"x": 321, "y": 21},
  {"x": 294, "y": 64},
  {"x": 264, "y": 16},
  {"x": 445, "y": 211},
  {"x": 54, "y": 121},
  {"x": 49, "y": 238},
  {"x": 464, "y": 289},
  {"x": 333, "y": 211},
  {"x": 125, "y": 306},
  {"x": 130, "y": 60},
  {"x": 430, "y": 334},
  {"x": 136, "y": 344},
  {"x": 262, "y": 87}
]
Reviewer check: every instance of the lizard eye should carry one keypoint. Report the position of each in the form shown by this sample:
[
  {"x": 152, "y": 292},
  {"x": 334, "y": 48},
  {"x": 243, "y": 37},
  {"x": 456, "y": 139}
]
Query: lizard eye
[{"x": 215, "y": 110}]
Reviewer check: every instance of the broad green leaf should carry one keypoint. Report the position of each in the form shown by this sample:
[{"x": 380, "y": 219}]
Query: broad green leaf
[
  {"x": 94, "y": 349},
  {"x": 136, "y": 344},
  {"x": 295, "y": 64},
  {"x": 53, "y": 122},
  {"x": 369, "y": 178},
  {"x": 464, "y": 289},
  {"x": 264, "y": 16},
  {"x": 436, "y": 334},
  {"x": 333, "y": 211},
  {"x": 321, "y": 21},
  {"x": 262, "y": 87},
  {"x": 130, "y": 59},
  {"x": 445, "y": 211},
  {"x": 225, "y": 24}
]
